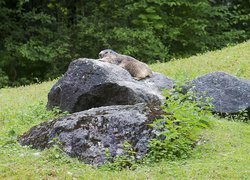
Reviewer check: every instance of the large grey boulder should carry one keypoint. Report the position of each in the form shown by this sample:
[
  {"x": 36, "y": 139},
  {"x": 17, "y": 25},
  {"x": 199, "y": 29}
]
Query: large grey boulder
[
  {"x": 91, "y": 83},
  {"x": 87, "y": 135},
  {"x": 228, "y": 93}
]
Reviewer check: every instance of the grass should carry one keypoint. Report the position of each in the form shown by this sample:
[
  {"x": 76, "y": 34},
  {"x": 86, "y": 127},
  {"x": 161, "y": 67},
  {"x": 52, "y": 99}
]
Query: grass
[
  {"x": 233, "y": 60},
  {"x": 224, "y": 153}
]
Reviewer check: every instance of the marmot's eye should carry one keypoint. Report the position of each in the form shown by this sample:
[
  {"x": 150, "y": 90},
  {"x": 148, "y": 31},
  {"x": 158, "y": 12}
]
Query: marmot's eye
[{"x": 106, "y": 53}]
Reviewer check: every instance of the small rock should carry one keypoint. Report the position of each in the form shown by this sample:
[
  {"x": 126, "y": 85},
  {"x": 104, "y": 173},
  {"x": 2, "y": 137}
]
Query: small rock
[{"x": 228, "y": 93}]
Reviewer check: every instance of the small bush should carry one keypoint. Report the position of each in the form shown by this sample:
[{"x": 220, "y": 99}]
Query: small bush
[
  {"x": 179, "y": 129},
  {"x": 126, "y": 161},
  {"x": 3, "y": 79},
  {"x": 242, "y": 116}
]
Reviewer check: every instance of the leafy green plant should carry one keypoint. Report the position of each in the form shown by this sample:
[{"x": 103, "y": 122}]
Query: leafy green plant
[
  {"x": 179, "y": 129},
  {"x": 3, "y": 78},
  {"x": 120, "y": 162},
  {"x": 55, "y": 152},
  {"x": 242, "y": 116}
]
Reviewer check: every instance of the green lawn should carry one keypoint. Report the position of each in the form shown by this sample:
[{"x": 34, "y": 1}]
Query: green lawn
[
  {"x": 224, "y": 153},
  {"x": 234, "y": 60}
]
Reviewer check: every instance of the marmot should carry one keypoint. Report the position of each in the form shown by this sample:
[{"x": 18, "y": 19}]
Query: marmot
[{"x": 137, "y": 69}]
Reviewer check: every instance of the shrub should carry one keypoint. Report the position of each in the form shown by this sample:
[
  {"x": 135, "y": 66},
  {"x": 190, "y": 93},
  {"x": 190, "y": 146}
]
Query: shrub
[
  {"x": 179, "y": 129},
  {"x": 126, "y": 161},
  {"x": 3, "y": 79}
]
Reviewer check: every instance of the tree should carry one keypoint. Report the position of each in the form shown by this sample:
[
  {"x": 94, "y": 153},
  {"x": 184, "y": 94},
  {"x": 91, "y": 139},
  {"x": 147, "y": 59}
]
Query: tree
[{"x": 39, "y": 38}]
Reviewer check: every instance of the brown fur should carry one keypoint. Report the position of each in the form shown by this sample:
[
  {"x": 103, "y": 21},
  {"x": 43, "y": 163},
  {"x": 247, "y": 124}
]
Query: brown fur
[{"x": 137, "y": 69}]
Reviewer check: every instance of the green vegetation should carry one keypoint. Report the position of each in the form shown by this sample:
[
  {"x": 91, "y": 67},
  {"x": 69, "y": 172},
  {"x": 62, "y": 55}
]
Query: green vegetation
[
  {"x": 179, "y": 130},
  {"x": 39, "y": 38},
  {"x": 222, "y": 151}
]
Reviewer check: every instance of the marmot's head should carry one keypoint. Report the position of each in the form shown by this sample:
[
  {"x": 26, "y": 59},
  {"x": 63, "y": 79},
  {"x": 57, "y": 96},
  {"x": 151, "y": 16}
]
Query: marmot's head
[{"x": 107, "y": 52}]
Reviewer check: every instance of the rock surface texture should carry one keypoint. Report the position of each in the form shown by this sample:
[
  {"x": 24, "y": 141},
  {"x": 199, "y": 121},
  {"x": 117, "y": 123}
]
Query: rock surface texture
[
  {"x": 90, "y": 83},
  {"x": 229, "y": 94},
  {"x": 88, "y": 134}
]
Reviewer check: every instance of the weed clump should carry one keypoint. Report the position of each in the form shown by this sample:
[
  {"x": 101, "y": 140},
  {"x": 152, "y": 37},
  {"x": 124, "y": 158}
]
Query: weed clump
[
  {"x": 126, "y": 161},
  {"x": 179, "y": 130}
]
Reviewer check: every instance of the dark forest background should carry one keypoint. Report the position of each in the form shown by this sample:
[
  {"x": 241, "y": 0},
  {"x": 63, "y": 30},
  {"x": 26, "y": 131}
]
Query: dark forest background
[{"x": 39, "y": 38}]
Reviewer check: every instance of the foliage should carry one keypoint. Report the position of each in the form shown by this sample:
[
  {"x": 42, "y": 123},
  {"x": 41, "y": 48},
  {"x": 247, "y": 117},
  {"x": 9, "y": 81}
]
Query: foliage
[
  {"x": 239, "y": 13},
  {"x": 179, "y": 130},
  {"x": 39, "y": 38},
  {"x": 126, "y": 161},
  {"x": 243, "y": 116},
  {"x": 3, "y": 79}
]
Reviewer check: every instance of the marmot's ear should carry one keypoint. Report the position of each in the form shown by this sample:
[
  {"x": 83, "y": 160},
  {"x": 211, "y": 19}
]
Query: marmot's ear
[{"x": 113, "y": 52}]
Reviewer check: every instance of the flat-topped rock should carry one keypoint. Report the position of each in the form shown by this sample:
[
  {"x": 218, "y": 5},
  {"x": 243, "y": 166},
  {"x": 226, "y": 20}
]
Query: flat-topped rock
[{"x": 91, "y": 83}]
